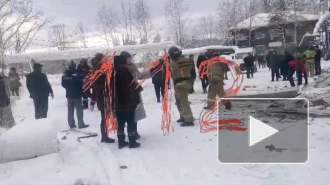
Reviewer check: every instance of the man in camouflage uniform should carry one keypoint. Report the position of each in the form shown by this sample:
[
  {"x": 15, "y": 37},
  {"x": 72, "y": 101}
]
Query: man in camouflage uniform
[
  {"x": 216, "y": 77},
  {"x": 181, "y": 68},
  {"x": 310, "y": 61}
]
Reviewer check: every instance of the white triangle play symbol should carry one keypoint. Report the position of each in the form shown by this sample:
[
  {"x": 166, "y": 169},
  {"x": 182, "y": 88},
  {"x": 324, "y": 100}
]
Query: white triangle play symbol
[{"x": 259, "y": 131}]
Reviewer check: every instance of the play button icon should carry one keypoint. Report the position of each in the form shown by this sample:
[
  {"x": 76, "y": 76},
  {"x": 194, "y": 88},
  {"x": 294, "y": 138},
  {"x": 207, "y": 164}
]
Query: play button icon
[
  {"x": 259, "y": 131},
  {"x": 275, "y": 132}
]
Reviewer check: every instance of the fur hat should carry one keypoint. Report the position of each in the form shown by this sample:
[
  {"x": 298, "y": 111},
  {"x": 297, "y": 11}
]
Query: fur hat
[{"x": 126, "y": 55}]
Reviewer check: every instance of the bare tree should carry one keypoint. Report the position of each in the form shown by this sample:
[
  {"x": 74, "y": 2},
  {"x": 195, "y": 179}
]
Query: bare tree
[
  {"x": 81, "y": 34},
  {"x": 252, "y": 11},
  {"x": 230, "y": 13},
  {"x": 108, "y": 25},
  {"x": 128, "y": 23},
  {"x": 205, "y": 29},
  {"x": 19, "y": 23},
  {"x": 143, "y": 20},
  {"x": 158, "y": 38},
  {"x": 59, "y": 36},
  {"x": 176, "y": 16}
]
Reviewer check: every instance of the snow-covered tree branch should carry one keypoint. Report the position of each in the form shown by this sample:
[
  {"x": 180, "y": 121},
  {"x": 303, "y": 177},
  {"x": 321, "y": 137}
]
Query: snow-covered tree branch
[
  {"x": 19, "y": 23},
  {"x": 81, "y": 34},
  {"x": 176, "y": 16},
  {"x": 142, "y": 21},
  {"x": 108, "y": 25}
]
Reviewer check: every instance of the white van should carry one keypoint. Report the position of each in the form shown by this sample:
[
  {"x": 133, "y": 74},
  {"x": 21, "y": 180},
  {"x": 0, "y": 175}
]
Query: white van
[{"x": 240, "y": 54}]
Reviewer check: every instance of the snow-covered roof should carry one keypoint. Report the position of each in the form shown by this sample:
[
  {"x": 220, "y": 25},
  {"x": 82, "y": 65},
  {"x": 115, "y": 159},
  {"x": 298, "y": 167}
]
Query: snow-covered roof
[
  {"x": 263, "y": 20},
  {"x": 83, "y": 53},
  {"x": 204, "y": 49}
]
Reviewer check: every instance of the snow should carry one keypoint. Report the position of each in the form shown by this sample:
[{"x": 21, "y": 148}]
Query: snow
[
  {"x": 83, "y": 53},
  {"x": 30, "y": 139},
  {"x": 322, "y": 19},
  {"x": 204, "y": 49},
  {"x": 263, "y": 20},
  {"x": 186, "y": 156}
]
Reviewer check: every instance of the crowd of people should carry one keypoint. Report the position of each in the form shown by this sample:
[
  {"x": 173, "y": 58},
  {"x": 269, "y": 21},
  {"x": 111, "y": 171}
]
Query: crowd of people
[
  {"x": 303, "y": 64},
  {"x": 128, "y": 102}
]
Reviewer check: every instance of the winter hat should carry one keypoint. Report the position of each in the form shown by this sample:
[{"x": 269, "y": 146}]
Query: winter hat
[
  {"x": 126, "y": 55},
  {"x": 97, "y": 59},
  {"x": 37, "y": 65},
  {"x": 119, "y": 60},
  {"x": 174, "y": 52},
  {"x": 72, "y": 65},
  {"x": 83, "y": 61}
]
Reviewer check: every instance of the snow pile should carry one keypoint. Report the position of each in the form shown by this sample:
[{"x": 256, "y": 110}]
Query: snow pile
[
  {"x": 28, "y": 140},
  {"x": 323, "y": 18}
]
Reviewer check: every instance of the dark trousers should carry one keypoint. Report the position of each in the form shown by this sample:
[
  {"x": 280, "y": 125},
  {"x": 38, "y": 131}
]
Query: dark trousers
[
  {"x": 275, "y": 71},
  {"x": 249, "y": 71},
  {"x": 126, "y": 117},
  {"x": 72, "y": 105},
  {"x": 317, "y": 67},
  {"x": 41, "y": 107},
  {"x": 85, "y": 99},
  {"x": 205, "y": 82},
  {"x": 15, "y": 92},
  {"x": 103, "y": 126},
  {"x": 159, "y": 90},
  {"x": 299, "y": 76}
]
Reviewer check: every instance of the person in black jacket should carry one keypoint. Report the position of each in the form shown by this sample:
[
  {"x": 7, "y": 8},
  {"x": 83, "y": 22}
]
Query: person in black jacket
[
  {"x": 72, "y": 81},
  {"x": 126, "y": 99},
  {"x": 84, "y": 69},
  {"x": 39, "y": 88},
  {"x": 99, "y": 87},
  {"x": 204, "y": 78},
  {"x": 249, "y": 64},
  {"x": 275, "y": 64},
  {"x": 318, "y": 61},
  {"x": 158, "y": 80},
  {"x": 6, "y": 116},
  {"x": 14, "y": 82},
  {"x": 285, "y": 65}
]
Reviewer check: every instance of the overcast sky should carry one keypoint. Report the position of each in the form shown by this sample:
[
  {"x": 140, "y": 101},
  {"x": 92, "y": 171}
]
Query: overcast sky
[{"x": 73, "y": 11}]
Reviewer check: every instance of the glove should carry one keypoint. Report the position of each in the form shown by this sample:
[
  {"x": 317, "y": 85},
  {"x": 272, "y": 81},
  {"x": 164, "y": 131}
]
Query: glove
[
  {"x": 8, "y": 102},
  {"x": 161, "y": 61},
  {"x": 140, "y": 89}
]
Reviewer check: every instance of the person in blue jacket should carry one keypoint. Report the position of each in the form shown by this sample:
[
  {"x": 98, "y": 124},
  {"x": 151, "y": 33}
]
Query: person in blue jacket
[{"x": 72, "y": 81}]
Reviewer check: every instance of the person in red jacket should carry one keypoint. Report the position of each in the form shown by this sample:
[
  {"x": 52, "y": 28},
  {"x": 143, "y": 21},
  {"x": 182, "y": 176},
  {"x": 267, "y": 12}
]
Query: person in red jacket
[{"x": 297, "y": 66}]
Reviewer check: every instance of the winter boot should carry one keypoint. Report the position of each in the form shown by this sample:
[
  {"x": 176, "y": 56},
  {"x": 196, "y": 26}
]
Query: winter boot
[
  {"x": 205, "y": 91},
  {"x": 121, "y": 141},
  {"x": 73, "y": 126},
  {"x": 84, "y": 126},
  {"x": 187, "y": 124},
  {"x": 132, "y": 141},
  {"x": 105, "y": 138},
  {"x": 137, "y": 136},
  {"x": 181, "y": 120}
]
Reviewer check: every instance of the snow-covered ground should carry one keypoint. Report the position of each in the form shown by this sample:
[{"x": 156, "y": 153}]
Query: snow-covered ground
[{"x": 186, "y": 156}]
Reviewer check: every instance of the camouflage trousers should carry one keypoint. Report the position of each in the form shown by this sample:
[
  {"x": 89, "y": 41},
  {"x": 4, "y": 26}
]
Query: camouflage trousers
[
  {"x": 6, "y": 118},
  {"x": 216, "y": 88},
  {"x": 183, "y": 103}
]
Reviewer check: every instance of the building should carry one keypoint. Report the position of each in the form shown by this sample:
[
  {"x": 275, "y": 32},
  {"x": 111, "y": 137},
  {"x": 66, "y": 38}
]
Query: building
[{"x": 266, "y": 30}]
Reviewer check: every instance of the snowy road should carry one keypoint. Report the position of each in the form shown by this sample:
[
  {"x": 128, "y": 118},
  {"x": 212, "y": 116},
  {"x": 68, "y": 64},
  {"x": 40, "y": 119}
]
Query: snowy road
[{"x": 184, "y": 157}]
